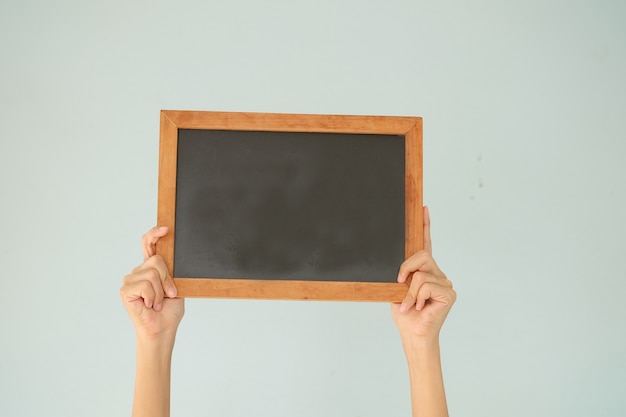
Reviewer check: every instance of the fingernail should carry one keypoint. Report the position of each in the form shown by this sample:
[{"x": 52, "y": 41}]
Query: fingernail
[
  {"x": 171, "y": 292},
  {"x": 403, "y": 308},
  {"x": 157, "y": 307}
]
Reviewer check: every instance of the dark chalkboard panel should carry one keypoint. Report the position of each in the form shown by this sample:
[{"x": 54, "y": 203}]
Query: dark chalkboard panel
[{"x": 289, "y": 206}]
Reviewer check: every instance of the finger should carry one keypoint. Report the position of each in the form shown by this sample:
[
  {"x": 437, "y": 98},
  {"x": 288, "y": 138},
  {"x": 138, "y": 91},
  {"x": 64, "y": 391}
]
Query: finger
[
  {"x": 423, "y": 295},
  {"x": 167, "y": 282},
  {"x": 428, "y": 247},
  {"x": 169, "y": 287},
  {"x": 152, "y": 276},
  {"x": 149, "y": 240},
  {"x": 436, "y": 293},
  {"x": 139, "y": 290},
  {"x": 420, "y": 261},
  {"x": 156, "y": 262},
  {"x": 411, "y": 297},
  {"x": 410, "y": 265},
  {"x": 409, "y": 300}
]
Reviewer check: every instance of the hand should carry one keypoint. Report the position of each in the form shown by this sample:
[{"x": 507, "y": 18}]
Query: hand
[
  {"x": 149, "y": 292},
  {"x": 430, "y": 296}
]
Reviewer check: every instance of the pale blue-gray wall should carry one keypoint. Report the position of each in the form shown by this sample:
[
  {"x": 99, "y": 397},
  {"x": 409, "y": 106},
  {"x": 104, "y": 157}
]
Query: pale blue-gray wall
[{"x": 524, "y": 105}]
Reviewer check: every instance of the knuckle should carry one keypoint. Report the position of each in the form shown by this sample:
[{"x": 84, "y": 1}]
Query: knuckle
[
  {"x": 154, "y": 261},
  {"x": 154, "y": 275},
  {"x": 421, "y": 255},
  {"x": 147, "y": 289},
  {"x": 148, "y": 234},
  {"x": 127, "y": 278},
  {"x": 413, "y": 259},
  {"x": 155, "y": 280},
  {"x": 445, "y": 281},
  {"x": 418, "y": 279}
]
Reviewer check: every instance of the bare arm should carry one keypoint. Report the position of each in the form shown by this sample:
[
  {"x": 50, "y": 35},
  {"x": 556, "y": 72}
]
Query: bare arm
[
  {"x": 152, "y": 381},
  {"x": 148, "y": 295},
  {"x": 419, "y": 319}
]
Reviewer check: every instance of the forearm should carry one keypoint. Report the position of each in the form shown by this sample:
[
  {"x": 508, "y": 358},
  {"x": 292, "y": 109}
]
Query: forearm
[
  {"x": 152, "y": 383},
  {"x": 428, "y": 398}
]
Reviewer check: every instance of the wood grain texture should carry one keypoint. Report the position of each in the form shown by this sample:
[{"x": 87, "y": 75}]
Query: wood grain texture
[
  {"x": 166, "y": 213},
  {"x": 290, "y": 290},
  {"x": 277, "y": 122},
  {"x": 413, "y": 192},
  {"x": 409, "y": 127}
]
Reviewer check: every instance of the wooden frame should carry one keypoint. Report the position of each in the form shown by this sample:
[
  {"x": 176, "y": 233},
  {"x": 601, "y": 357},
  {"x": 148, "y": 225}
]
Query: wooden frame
[{"x": 409, "y": 127}]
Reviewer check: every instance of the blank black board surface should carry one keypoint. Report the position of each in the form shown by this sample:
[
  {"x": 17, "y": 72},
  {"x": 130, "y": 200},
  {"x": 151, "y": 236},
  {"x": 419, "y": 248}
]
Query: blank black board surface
[
  {"x": 285, "y": 206},
  {"x": 289, "y": 206}
]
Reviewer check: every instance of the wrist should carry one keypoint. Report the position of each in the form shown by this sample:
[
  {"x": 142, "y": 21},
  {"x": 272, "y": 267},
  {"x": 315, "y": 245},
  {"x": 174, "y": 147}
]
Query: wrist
[
  {"x": 156, "y": 343},
  {"x": 419, "y": 348}
]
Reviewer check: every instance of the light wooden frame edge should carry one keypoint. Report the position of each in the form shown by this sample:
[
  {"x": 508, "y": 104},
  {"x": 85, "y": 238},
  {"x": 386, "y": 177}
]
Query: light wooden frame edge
[{"x": 409, "y": 127}]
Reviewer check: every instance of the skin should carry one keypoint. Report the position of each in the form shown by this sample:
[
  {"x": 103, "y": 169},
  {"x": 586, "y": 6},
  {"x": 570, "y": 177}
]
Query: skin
[
  {"x": 149, "y": 295},
  {"x": 419, "y": 319}
]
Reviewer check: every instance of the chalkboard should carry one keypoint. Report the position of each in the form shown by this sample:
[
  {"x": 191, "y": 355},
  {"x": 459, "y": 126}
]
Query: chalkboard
[{"x": 284, "y": 206}]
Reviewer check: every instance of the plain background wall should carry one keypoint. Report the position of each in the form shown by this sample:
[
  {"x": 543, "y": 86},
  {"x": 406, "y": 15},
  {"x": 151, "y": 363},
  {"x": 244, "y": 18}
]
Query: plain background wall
[{"x": 524, "y": 106}]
